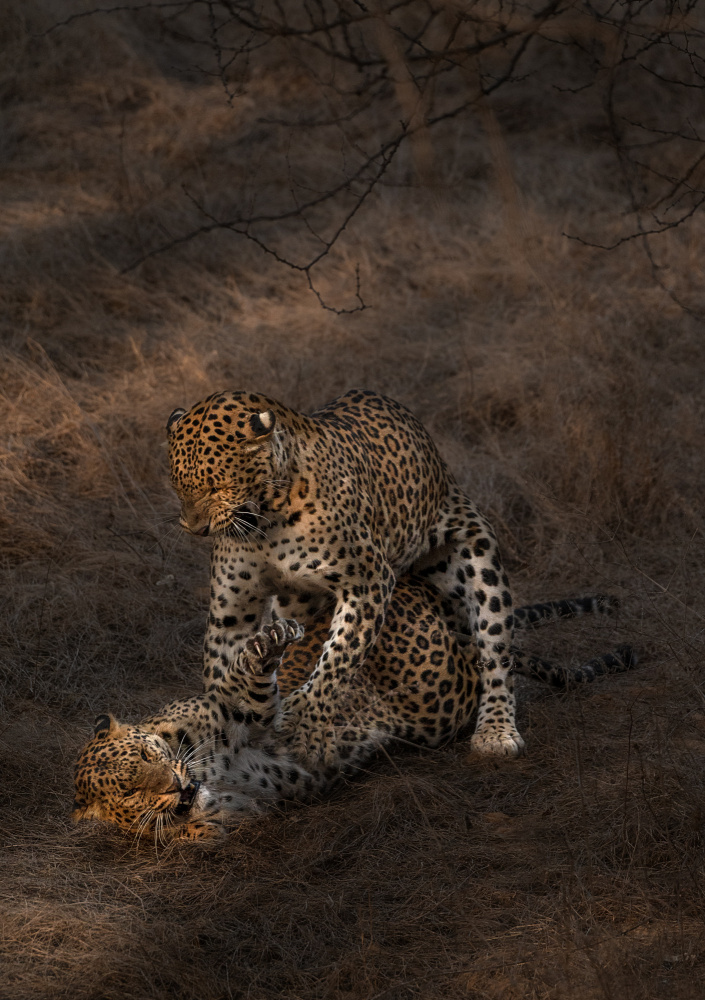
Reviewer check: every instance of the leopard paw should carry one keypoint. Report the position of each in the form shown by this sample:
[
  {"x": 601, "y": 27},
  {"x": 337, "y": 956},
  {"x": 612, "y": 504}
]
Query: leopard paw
[
  {"x": 202, "y": 831},
  {"x": 312, "y": 740},
  {"x": 264, "y": 650},
  {"x": 494, "y": 743}
]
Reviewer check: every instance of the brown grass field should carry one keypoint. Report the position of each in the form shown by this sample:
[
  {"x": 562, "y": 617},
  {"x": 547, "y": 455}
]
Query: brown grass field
[{"x": 563, "y": 384}]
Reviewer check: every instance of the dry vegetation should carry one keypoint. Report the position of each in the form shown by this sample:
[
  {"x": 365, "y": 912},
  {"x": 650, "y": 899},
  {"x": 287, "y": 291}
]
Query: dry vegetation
[{"x": 564, "y": 385}]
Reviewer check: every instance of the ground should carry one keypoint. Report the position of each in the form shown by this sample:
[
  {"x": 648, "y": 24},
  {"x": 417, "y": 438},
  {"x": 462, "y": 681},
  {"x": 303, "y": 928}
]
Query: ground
[{"x": 562, "y": 383}]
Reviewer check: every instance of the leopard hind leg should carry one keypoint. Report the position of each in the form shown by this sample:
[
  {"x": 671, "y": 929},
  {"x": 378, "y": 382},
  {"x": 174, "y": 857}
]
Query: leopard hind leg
[{"x": 463, "y": 563}]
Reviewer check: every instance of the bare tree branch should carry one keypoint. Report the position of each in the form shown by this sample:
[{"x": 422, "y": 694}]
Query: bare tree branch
[{"x": 388, "y": 73}]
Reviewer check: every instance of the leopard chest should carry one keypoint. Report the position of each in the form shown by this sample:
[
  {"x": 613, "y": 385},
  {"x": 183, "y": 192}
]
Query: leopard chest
[{"x": 306, "y": 556}]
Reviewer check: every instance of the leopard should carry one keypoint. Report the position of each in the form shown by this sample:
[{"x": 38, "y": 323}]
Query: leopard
[
  {"x": 324, "y": 512},
  {"x": 200, "y": 766}
]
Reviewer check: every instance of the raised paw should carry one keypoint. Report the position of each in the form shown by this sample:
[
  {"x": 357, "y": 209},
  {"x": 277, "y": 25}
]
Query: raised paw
[
  {"x": 263, "y": 651},
  {"x": 494, "y": 743}
]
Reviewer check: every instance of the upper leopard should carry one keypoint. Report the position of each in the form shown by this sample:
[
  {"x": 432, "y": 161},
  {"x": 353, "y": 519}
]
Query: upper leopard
[{"x": 327, "y": 510}]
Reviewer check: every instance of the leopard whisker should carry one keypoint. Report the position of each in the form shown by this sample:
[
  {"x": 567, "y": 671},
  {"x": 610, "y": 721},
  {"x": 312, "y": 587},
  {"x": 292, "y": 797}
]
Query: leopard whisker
[
  {"x": 240, "y": 525},
  {"x": 181, "y": 743},
  {"x": 142, "y": 818},
  {"x": 199, "y": 761},
  {"x": 256, "y": 511},
  {"x": 174, "y": 536},
  {"x": 191, "y": 750},
  {"x": 162, "y": 827},
  {"x": 145, "y": 820},
  {"x": 193, "y": 761},
  {"x": 168, "y": 519},
  {"x": 237, "y": 522},
  {"x": 168, "y": 823},
  {"x": 159, "y": 833}
]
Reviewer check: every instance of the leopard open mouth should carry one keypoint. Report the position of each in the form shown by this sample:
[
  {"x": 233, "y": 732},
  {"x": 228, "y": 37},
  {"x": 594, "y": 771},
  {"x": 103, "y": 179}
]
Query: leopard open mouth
[{"x": 186, "y": 798}]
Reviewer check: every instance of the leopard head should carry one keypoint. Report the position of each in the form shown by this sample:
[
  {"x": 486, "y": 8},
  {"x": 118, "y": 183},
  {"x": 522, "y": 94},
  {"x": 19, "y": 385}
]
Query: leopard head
[
  {"x": 129, "y": 777},
  {"x": 222, "y": 454}
]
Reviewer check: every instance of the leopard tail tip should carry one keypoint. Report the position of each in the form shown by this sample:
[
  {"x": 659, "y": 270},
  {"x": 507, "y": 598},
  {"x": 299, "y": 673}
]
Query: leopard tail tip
[{"x": 606, "y": 604}]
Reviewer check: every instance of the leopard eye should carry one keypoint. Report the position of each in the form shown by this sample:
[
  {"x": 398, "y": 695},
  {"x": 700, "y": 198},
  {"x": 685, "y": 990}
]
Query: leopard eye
[
  {"x": 143, "y": 755},
  {"x": 132, "y": 791}
]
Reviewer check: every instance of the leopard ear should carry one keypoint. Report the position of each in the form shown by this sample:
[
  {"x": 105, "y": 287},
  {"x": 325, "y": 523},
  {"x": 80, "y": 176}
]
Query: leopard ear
[
  {"x": 82, "y": 810},
  {"x": 174, "y": 418},
  {"x": 78, "y": 811},
  {"x": 104, "y": 725},
  {"x": 262, "y": 424}
]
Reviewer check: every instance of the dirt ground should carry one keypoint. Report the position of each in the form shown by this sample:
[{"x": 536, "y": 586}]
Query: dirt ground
[{"x": 564, "y": 386}]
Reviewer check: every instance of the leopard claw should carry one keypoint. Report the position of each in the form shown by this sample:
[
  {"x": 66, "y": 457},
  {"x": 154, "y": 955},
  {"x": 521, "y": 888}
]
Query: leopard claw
[{"x": 269, "y": 644}]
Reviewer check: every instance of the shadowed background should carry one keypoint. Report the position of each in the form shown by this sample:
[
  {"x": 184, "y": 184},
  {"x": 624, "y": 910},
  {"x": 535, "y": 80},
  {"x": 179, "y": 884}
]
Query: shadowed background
[{"x": 564, "y": 386}]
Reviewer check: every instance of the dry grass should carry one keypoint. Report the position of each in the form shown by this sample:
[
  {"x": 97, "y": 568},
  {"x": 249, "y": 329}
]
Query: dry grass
[{"x": 565, "y": 388}]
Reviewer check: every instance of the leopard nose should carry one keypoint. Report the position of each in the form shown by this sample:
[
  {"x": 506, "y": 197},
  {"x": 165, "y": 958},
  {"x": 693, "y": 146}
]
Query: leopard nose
[{"x": 203, "y": 530}]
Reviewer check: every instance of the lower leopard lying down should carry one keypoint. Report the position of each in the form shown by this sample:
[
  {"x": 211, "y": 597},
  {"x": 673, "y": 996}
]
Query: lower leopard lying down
[{"x": 202, "y": 764}]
